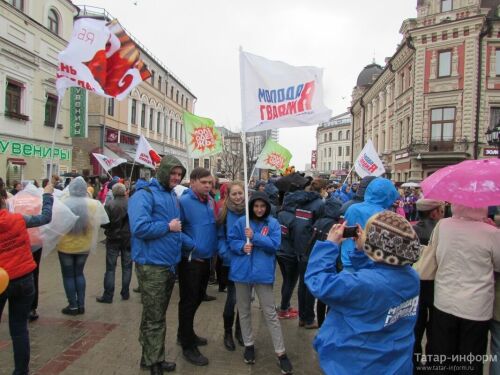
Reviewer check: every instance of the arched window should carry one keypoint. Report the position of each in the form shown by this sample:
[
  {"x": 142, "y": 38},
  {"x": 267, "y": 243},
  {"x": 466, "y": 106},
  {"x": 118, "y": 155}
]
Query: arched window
[
  {"x": 347, "y": 134},
  {"x": 53, "y": 21},
  {"x": 340, "y": 135}
]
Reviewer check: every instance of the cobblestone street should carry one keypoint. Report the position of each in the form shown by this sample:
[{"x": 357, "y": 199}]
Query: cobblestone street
[{"x": 104, "y": 339}]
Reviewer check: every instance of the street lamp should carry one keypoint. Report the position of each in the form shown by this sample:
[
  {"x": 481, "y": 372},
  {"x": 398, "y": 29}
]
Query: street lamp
[{"x": 493, "y": 138}]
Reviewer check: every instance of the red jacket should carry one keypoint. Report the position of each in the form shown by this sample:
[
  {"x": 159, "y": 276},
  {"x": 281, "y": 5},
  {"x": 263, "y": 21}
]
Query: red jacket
[{"x": 15, "y": 249}]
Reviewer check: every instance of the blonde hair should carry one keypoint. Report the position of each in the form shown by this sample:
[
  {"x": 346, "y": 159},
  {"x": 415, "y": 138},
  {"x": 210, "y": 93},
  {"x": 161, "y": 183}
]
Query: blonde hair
[{"x": 221, "y": 219}]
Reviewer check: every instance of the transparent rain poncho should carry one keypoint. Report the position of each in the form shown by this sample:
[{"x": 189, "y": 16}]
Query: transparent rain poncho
[
  {"x": 82, "y": 237},
  {"x": 29, "y": 202}
]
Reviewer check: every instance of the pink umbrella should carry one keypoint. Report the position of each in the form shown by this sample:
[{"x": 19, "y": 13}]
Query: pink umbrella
[{"x": 472, "y": 183}]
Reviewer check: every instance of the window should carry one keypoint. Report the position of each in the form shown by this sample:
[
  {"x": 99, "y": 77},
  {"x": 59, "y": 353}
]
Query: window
[
  {"x": 182, "y": 100},
  {"x": 158, "y": 122},
  {"x": 153, "y": 77},
  {"x": 329, "y": 166},
  {"x": 446, "y": 5},
  {"x": 171, "y": 92},
  {"x": 171, "y": 128},
  {"x": 340, "y": 135},
  {"x": 53, "y": 21},
  {"x": 176, "y": 130},
  {"x": 196, "y": 163},
  {"x": 219, "y": 165},
  {"x": 13, "y": 98},
  {"x": 494, "y": 117},
  {"x": 347, "y": 150},
  {"x": 329, "y": 136},
  {"x": 402, "y": 82},
  {"x": 442, "y": 124},
  {"x": 19, "y": 4},
  {"x": 444, "y": 66},
  {"x": 159, "y": 82},
  {"x": 347, "y": 134},
  {"x": 324, "y": 152},
  {"x": 325, "y": 138},
  {"x": 206, "y": 163},
  {"x": 143, "y": 116},
  {"x": 151, "y": 114},
  {"x": 133, "y": 112},
  {"x": 340, "y": 151},
  {"x": 187, "y": 103},
  {"x": 50, "y": 110},
  {"x": 111, "y": 106},
  {"x": 329, "y": 151},
  {"x": 177, "y": 96},
  {"x": 339, "y": 165},
  {"x": 497, "y": 63}
]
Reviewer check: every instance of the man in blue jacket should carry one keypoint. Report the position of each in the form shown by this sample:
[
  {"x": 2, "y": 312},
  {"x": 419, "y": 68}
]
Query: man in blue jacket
[
  {"x": 372, "y": 311},
  {"x": 379, "y": 195},
  {"x": 199, "y": 245},
  {"x": 155, "y": 228}
]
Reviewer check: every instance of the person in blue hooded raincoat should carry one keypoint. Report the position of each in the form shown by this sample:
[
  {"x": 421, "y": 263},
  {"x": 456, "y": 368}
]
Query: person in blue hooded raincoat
[
  {"x": 379, "y": 195},
  {"x": 253, "y": 265},
  {"x": 372, "y": 311}
]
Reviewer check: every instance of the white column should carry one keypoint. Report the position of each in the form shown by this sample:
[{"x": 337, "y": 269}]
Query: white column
[
  {"x": 380, "y": 146},
  {"x": 387, "y": 104}
]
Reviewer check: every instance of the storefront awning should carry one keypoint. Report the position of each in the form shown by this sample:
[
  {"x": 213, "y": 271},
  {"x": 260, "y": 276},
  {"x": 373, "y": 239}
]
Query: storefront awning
[{"x": 116, "y": 150}]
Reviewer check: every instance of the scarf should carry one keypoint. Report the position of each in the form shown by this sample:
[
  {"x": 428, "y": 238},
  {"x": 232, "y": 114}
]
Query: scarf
[{"x": 236, "y": 208}]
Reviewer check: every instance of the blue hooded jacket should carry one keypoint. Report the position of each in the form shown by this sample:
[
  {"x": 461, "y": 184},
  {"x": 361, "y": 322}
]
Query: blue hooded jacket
[
  {"x": 150, "y": 210},
  {"x": 379, "y": 196},
  {"x": 222, "y": 234},
  {"x": 199, "y": 230},
  {"x": 260, "y": 266},
  {"x": 343, "y": 195},
  {"x": 372, "y": 312}
]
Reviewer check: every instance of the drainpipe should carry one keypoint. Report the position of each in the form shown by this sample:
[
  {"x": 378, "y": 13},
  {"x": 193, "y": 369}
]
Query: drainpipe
[
  {"x": 409, "y": 43},
  {"x": 484, "y": 31}
]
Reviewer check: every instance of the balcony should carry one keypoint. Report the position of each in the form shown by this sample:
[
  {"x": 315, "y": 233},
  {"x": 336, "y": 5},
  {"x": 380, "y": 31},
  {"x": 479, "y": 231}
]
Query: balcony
[{"x": 445, "y": 145}]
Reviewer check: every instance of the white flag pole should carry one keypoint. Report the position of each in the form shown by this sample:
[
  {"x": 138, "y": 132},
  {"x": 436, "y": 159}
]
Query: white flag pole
[
  {"x": 56, "y": 121},
  {"x": 350, "y": 171}
]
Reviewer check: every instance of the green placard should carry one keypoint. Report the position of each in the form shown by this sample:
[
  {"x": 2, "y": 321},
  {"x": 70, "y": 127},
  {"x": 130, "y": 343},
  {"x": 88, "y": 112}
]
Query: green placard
[
  {"x": 33, "y": 150},
  {"x": 78, "y": 112}
]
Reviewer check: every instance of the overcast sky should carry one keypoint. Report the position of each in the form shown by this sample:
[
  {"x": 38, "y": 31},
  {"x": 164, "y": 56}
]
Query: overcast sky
[{"x": 198, "y": 41}]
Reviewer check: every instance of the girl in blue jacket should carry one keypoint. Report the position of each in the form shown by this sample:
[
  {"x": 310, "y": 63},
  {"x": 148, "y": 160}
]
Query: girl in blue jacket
[
  {"x": 372, "y": 311},
  {"x": 253, "y": 265}
]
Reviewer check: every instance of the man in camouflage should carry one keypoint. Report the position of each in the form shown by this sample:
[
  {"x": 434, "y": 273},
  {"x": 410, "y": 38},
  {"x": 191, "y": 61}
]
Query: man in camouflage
[{"x": 156, "y": 249}]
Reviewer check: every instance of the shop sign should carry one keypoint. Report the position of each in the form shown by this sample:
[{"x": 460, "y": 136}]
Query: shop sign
[
  {"x": 78, "y": 112},
  {"x": 490, "y": 151},
  {"x": 33, "y": 150}
]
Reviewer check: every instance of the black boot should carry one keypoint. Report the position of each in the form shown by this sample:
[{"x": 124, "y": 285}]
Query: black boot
[
  {"x": 156, "y": 369},
  {"x": 228, "y": 340},
  {"x": 194, "y": 356}
]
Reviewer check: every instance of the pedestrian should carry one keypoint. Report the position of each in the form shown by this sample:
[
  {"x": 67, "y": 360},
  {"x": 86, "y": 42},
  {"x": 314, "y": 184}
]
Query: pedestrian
[
  {"x": 16, "y": 187},
  {"x": 155, "y": 228},
  {"x": 360, "y": 194},
  {"x": 430, "y": 212},
  {"x": 231, "y": 211},
  {"x": 198, "y": 247},
  {"x": 253, "y": 265},
  {"x": 74, "y": 247},
  {"x": 467, "y": 253},
  {"x": 380, "y": 195},
  {"x": 117, "y": 233},
  {"x": 17, "y": 260},
  {"x": 372, "y": 310},
  {"x": 495, "y": 329}
]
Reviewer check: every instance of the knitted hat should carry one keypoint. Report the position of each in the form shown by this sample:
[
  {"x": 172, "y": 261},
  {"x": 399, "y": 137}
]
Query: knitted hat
[
  {"x": 391, "y": 239},
  {"x": 428, "y": 204}
]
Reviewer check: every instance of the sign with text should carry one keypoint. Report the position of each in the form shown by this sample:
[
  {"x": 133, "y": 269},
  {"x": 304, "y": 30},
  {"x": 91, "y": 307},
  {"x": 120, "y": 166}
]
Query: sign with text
[
  {"x": 314, "y": 159},
  {"x": 33, "y": 150},
  {"x": 78, "y": 113}
]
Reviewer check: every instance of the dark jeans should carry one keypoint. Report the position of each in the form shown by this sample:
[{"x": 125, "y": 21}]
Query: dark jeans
[
  {"x": 73, "y": 279},
  {"x": 452, "y": 335},
  {"x": 20, "y": 294},
  {"x": 113, "y": 251},
  {"x": 37, "y": 256},
  {"x": 222, "y": 273},
  {"x": 290, "y": 271},
  {"x": 424, "y": 319},
  {"x": 306, "y": 299},
  {"x": 193, "y": 279}
]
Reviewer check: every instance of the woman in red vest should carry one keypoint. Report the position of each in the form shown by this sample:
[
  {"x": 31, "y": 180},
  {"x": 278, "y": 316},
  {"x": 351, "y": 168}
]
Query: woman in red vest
[{"x": 16, "y": 259}]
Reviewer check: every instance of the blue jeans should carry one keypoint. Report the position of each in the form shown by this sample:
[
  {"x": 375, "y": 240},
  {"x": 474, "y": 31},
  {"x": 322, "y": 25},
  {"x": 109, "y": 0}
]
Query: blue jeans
[
  {"x": 113, "y": 250},
  {"x": 20, "y": 294},
  {"x": 73, "y": 278},
  {"x": 495, "y": 346}
]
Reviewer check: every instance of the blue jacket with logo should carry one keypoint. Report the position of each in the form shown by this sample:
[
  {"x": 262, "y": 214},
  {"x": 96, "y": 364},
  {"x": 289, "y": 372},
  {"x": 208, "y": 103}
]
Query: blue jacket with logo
[
  {"x": 222, "y": 236},
  {"x": 379, "y": 196},
  {"x": 372, "y": 312},
  {"x": 199, "y": 230},
  {"x": 259, "y": 267},
  {"x": 149, "y": 214}
]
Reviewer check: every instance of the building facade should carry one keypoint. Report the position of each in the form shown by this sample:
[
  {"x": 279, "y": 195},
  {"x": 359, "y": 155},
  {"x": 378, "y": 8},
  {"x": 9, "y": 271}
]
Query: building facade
[
  {"x": 154, "y": 109},
  {"x": 31, "y": 35},
  {"x": 432, "y": 103},
  {"x": 333, "y": 146}
]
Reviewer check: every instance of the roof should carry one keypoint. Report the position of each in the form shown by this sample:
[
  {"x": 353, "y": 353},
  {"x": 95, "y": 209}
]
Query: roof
[{"x": 368, "y": 75}]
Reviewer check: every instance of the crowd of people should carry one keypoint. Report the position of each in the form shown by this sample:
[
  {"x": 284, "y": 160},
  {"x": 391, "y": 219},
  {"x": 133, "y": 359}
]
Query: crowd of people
[{"x": 376, "y": 267}]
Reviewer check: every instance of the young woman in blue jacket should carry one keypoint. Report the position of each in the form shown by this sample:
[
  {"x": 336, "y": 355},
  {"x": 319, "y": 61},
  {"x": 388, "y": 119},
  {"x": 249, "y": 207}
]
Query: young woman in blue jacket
[
  {"x": 232, "y": 209},
  {"x": 253, "y": 265},
  {"x": 372, "y": 311}
]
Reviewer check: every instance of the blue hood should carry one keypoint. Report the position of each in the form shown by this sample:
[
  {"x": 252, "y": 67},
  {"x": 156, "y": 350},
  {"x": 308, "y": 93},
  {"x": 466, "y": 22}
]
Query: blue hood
[
  {"x": 299, "y": 198},
  {"x": 381, "y": 192}
]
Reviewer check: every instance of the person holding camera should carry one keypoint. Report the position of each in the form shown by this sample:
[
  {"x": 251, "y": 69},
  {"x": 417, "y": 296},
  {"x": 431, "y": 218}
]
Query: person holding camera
[{"x": 372, "y": 310}]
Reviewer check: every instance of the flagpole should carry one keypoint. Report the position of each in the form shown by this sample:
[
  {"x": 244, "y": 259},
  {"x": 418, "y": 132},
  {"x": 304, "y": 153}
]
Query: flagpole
[
  {"x": 56, "y": 120},
  {"x": 132, "y": 171},
  {"x": 348, "y": 174}
]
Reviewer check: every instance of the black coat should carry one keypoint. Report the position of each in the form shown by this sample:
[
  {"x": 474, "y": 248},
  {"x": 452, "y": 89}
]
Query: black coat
[{"x": 118, "y": 229}]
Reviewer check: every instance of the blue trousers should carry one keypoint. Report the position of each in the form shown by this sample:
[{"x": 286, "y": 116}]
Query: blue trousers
[{"x": 73, "y": 279}]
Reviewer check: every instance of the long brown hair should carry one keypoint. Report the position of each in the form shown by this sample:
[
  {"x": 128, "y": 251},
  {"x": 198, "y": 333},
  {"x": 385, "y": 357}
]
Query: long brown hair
[{"x": 223, "y": 212}]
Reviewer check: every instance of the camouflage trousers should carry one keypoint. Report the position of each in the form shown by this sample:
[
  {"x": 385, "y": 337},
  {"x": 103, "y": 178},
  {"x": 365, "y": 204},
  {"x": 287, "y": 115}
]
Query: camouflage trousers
[{"x": 156, "y": 284}]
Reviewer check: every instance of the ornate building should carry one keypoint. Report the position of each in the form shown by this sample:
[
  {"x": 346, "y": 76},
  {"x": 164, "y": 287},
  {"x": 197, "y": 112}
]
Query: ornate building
[{"x": 432, "y": 103}]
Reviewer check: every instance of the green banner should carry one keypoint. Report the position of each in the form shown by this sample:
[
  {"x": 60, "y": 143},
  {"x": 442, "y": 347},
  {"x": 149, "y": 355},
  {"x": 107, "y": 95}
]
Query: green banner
[
  {"x": 274, "y": 156},
  {"x": 33, "y": 150},
  {"x": 202, "y": 137},
  {"x": 78, "y": 112}
]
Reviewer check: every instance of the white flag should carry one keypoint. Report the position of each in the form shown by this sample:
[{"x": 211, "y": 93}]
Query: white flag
[
  {"x": 108, "y": 163},
  {"x": 368, "y": 163},
  {"x": 277, "y": 95},
  {"x": 145, "y": 154}
]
